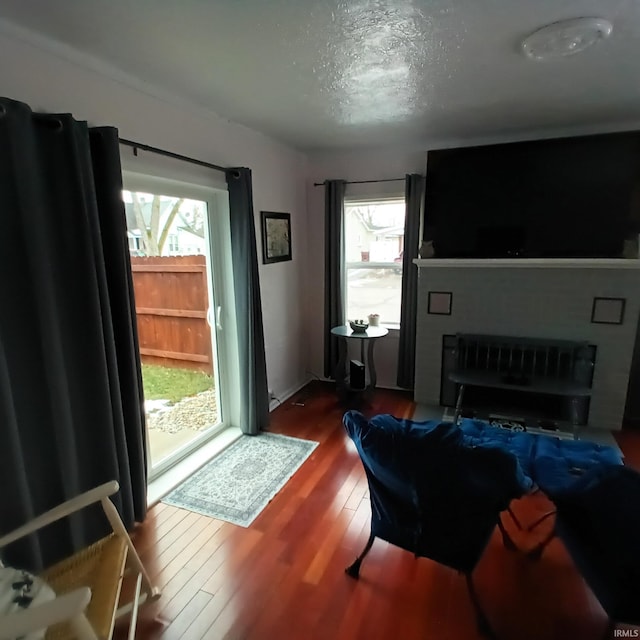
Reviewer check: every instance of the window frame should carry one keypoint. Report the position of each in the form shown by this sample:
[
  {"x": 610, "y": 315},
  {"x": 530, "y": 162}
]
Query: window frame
[{"x": 366, "y": 199}]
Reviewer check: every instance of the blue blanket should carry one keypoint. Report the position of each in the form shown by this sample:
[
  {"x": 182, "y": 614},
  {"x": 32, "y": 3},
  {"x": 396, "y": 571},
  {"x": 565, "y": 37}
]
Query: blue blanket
[{"x": 551, "y": 463}]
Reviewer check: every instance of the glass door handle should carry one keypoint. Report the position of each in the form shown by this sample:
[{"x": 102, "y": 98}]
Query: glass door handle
[{"x": 218, "y": 318}]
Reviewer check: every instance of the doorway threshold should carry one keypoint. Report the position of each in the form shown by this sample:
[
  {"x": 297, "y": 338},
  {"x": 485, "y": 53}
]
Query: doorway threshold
[{"x": 164, "y": 483}]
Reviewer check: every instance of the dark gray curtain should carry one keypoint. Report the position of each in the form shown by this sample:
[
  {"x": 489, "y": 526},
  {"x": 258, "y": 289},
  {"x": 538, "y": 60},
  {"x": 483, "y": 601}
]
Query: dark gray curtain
[
  {"x": 254, "y": 390},
  {"x": 414, "y": 186},
  {"x": 71, "y": 401},
  {"x": 334, "y": 270}
]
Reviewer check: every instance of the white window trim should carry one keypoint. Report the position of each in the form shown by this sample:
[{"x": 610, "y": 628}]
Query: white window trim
[{"x": 361, "y": 199}]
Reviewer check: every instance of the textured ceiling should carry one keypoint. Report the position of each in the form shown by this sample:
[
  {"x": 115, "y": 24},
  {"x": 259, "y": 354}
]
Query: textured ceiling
[{"x": 342, "y": 74}]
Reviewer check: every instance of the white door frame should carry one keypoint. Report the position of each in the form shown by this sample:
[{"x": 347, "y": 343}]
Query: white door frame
[{"x": 220, "y": 289}]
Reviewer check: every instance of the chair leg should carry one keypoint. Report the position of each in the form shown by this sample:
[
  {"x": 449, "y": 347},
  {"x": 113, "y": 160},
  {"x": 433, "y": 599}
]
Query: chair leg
[
  {"x": 513, "y": 517},
  {"x": 152, "y": 593},
  {"x": 458, "y": 409},
  {"x": 541, "y": 519},
  {"x": 536, "y": 552},
  {"x": 481, "y": 619},
  {"x": 354, "y": 569},
  {"x": 507, "y": 541}
]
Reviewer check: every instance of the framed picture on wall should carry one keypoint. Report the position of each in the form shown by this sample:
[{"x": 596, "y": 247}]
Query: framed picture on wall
[
  {"x": 439, "y": 303},
  {"x": 276, "y": 236},
  {"x": 608, "y": 310}
]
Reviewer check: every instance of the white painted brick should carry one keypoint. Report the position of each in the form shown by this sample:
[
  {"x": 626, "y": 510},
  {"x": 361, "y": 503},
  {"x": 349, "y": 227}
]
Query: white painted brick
[{"x": 553, "y": 303}]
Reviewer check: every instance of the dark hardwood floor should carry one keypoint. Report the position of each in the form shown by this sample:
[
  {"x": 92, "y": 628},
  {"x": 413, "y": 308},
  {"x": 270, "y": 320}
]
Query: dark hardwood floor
[{"x": 283, "y": 577}]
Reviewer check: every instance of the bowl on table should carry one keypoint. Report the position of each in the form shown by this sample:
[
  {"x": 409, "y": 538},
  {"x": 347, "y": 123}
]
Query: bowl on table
[{"x": 359, "y": 326}]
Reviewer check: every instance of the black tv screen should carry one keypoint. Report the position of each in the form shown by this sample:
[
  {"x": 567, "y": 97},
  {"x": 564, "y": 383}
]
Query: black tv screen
[{"x": 566, "y": 197}]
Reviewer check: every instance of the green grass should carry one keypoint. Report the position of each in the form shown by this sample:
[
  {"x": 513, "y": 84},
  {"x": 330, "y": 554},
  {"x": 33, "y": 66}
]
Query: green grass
[{"x": 164, "y": 383}]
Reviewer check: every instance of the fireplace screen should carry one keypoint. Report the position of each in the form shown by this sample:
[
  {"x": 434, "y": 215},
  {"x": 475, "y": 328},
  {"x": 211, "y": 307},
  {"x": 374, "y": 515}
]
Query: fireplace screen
[{"x": 535, "y": 381}]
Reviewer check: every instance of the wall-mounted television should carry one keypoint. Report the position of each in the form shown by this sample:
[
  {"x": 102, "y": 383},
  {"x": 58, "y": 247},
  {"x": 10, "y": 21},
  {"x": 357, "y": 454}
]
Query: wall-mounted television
[{"x": 565, "y": 197}]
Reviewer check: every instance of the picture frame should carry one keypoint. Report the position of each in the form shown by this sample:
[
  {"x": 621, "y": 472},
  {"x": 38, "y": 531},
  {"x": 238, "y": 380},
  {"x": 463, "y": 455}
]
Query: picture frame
[
  {"x": 440, "y": 303},
  {"x": 276, "y": 236},
  {"x": 608, "y": 310}
]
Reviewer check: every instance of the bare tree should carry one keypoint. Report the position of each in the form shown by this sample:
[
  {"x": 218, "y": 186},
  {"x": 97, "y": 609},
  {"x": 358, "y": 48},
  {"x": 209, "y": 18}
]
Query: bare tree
[
  {"x": 154, "y": 237},
  {"x": 193, "y": 221},
  {"x": 366, "y": 214}
]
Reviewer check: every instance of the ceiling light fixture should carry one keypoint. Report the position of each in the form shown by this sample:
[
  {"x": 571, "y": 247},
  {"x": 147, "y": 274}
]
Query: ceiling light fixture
[{"x": 565, "y": 38}]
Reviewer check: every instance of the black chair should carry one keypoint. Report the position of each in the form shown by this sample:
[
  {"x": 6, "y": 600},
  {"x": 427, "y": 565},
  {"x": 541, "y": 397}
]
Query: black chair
[
  {"x": 431, "y": 494},
  {"x": 598, "y": 520}
]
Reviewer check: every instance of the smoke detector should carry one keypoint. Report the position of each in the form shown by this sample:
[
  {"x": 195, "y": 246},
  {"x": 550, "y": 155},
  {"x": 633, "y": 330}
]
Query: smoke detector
[{"x": 565, "y": 38}]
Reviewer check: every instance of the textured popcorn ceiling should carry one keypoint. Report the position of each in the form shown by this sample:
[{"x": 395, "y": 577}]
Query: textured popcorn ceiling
[{"x": 328, "y": 74}]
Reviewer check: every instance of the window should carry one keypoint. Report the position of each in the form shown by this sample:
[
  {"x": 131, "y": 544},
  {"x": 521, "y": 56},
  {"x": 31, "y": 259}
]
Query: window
[
  {"x": 135, "y": 242},
  {"x": 160, "y": 225},
  {"x": 374, "y": 244},
  {"x": 173, "y": 243}
]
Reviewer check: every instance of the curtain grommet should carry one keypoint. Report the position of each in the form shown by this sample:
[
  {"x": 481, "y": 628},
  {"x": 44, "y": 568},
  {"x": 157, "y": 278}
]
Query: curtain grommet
[{"x": 51, "y": 122}]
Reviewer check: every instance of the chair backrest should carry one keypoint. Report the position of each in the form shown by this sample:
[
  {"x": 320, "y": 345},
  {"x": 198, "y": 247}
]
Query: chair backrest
[
  {"x": 431, "y": 493},
  {"x": 599, "y": 521}
]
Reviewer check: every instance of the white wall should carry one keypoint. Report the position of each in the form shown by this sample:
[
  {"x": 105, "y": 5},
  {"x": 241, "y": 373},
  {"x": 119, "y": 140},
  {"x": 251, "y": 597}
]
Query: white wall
[
  {"x": 50, "y": 77},
  {"x": 358, "y": 165}
]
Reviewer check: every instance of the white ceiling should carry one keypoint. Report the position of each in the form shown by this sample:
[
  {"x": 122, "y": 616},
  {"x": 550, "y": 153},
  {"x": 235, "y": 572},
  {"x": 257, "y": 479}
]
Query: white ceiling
[{"x": 322, "y": 74}]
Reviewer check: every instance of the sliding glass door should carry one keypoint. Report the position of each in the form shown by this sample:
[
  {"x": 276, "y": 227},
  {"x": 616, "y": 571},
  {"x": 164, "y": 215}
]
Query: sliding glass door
[{"x": 178, "y": 241}]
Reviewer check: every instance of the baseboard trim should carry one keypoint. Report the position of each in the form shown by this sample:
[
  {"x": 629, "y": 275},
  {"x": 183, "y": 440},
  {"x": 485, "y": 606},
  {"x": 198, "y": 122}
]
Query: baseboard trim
[{"x": 291, "y": 391}]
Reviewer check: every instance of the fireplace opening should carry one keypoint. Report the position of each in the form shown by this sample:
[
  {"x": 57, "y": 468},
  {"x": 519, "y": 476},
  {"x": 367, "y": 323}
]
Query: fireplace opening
[
  {"x": 537, "y": 382},
  {"x": 485, "y": 402}
]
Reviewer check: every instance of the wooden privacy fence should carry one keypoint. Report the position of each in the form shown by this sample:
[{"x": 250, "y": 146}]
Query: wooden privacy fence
[{"x": 171, "y": 305}]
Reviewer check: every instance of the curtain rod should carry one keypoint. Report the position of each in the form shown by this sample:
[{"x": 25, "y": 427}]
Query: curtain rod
[
  {"x": 321, "y": 184},
  {"x": 170, "y": 154}
]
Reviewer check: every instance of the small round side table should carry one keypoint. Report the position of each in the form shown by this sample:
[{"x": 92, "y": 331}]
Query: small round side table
[{"x": 344, "y": 333}]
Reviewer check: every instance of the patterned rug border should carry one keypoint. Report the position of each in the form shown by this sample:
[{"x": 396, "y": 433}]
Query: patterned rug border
[{"x": 184, "y": 495}]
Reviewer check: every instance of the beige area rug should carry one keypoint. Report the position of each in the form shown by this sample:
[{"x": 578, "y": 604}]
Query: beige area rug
[{"x": 238, "y": 483}]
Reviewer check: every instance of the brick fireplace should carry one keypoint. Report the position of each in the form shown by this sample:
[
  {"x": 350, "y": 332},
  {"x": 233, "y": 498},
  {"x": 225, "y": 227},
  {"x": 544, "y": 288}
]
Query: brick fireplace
[{"x": 552, "y": 299}]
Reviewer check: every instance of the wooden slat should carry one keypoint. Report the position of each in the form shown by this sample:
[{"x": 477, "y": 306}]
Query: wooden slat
[
  {"x": 168, "y": 268},
  {"x": 184, "y": 619},
  {"x": 172, "y": 313},
  {"x": 172, "y": 299},
  {"x": 173, "y": 355}
]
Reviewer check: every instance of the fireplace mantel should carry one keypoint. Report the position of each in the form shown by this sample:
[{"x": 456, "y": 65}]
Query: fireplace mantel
[{"x": 542, "y": 263}]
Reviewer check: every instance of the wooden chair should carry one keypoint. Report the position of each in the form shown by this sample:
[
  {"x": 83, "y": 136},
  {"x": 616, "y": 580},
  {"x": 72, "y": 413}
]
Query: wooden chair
[{"x": 88, "y": 584}]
